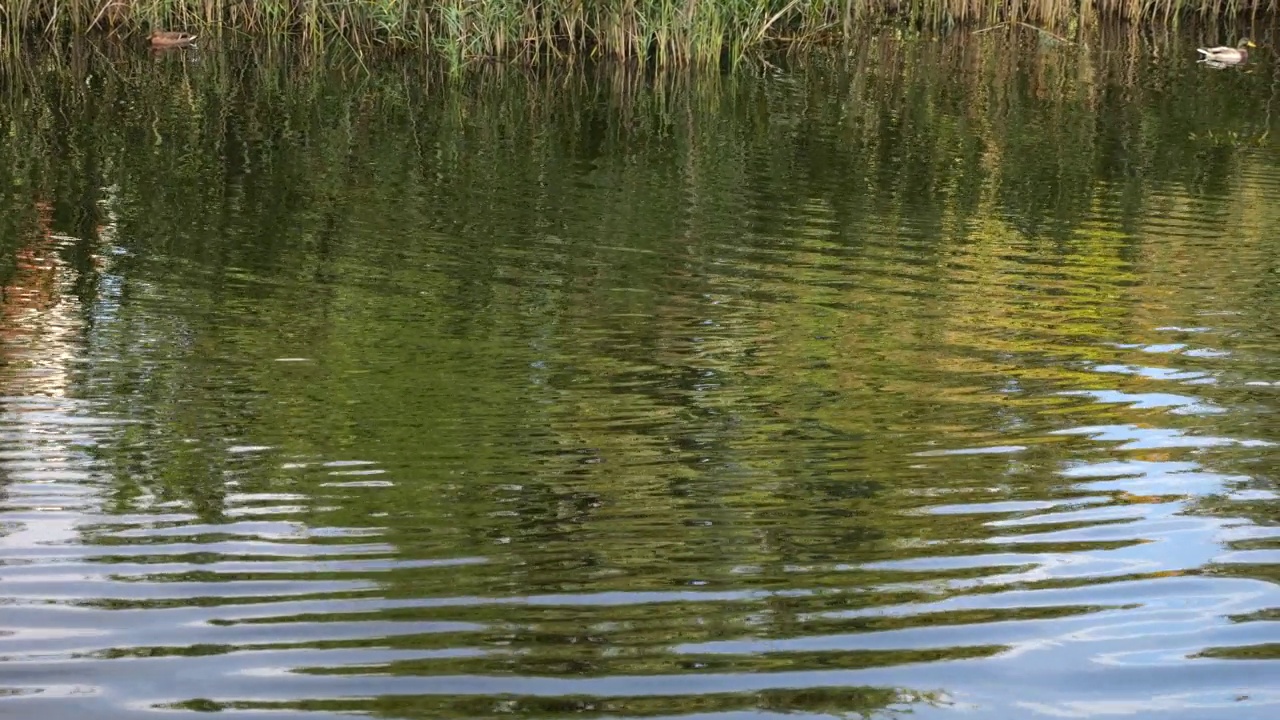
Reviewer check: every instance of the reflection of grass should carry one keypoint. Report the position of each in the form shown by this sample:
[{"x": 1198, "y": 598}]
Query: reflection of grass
[
  {"x": 1265, "y": 651},
  {"x": 862, "y": 703},
  {"x": 620, "y": 334},
  {"x": 264, "y": 188},
  {"x": 1227, "y": 138},
  {"x": 544, "y": 658}
]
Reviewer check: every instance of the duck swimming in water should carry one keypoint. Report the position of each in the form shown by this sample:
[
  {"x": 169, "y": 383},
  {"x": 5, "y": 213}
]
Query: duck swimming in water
[
  {"x": 1225, "y": 55},
  {"x": 170, "y": 38}
]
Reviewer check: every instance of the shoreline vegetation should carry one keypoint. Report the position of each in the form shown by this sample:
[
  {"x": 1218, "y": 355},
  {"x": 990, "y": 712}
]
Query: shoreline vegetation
[
  {"x": 976, "y": 98},
  {"x": 660, "y": 32}
]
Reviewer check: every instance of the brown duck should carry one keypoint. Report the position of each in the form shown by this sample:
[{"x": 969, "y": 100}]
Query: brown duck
[
  {"x": 170, "y": 39},
  {"x": 1227, "y": 55}
]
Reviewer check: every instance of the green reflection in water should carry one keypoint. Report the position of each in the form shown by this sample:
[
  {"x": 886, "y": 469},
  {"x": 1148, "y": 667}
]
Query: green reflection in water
[{"x": 622, "y": 396}]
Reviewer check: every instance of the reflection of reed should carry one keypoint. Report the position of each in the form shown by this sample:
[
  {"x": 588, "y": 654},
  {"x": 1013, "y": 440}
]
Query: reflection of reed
[{"x": 707, "y": 340}]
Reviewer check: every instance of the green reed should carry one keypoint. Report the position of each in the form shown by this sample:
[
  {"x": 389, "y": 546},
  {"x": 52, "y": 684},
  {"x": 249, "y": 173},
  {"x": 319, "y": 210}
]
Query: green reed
[{"x": 668, "y": 32}]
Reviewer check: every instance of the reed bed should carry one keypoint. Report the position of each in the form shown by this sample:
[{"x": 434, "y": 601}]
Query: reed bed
[{"x": 664, "y": 32}]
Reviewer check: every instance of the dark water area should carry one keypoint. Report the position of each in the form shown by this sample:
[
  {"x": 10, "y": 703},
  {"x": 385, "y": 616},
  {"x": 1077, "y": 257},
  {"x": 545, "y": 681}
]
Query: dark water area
[{"x": 932, "y": 377}]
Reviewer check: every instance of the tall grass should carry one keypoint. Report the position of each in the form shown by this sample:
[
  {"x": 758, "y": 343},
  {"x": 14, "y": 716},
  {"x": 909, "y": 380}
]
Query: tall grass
[{"x": 666, "y": 32}]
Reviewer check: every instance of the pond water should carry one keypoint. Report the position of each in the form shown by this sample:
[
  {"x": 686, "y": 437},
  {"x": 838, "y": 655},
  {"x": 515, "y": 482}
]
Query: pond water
[{"x": 934, "y": 376}]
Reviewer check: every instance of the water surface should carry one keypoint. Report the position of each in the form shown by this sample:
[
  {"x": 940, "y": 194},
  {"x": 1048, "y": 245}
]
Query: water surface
[{"x": 936, "y": 377}]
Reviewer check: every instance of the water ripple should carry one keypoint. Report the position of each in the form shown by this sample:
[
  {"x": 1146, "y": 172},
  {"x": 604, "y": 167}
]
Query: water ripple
[{"x": 913, "y": 381}]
